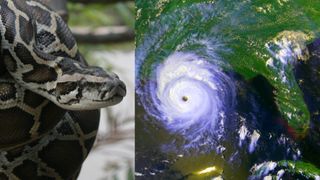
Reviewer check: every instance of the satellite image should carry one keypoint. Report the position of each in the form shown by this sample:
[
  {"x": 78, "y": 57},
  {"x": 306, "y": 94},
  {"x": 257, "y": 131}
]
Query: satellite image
[{"x": 227, "y": 89}]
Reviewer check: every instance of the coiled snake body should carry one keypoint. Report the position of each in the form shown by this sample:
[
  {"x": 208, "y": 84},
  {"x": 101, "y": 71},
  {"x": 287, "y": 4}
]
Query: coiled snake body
[{"x": 42, "y": 76}]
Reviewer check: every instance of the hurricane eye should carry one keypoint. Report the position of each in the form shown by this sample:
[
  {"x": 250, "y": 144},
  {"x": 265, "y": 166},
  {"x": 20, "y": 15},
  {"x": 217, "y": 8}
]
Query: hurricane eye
[
  {"x": 189, "y": 95},
  {"x": 185, "y": 98}
]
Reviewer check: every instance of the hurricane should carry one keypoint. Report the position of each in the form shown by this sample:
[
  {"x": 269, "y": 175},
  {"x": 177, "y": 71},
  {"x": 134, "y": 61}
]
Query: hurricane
[
  {"x": 228, "y": 88},
  {"x": 190, "y": 96}
]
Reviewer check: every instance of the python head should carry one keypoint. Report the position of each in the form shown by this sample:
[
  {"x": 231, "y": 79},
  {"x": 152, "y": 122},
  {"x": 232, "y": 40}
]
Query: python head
[{"x": 88, "y": 88}]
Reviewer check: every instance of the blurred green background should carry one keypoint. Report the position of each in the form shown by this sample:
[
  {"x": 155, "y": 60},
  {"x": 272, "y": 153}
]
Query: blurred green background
[{"x": 113, "y": 153}]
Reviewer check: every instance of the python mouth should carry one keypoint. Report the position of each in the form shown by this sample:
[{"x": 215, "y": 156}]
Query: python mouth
[{"x": 117, "y": 97}]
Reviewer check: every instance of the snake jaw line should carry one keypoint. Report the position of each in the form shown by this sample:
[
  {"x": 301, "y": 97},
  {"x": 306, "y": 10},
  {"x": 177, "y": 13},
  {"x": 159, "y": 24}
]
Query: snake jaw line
[{"x": 108, "y": 94}]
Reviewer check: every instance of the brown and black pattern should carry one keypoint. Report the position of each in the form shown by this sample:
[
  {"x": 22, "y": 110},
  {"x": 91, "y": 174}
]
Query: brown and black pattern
[
  {"x": 56, "y": 155},
  {"x": 8, "y": 20},
  {"x": 7, "y": 91},
  {"x": 40, "y": 56},
  {"x": 40, "y": 74},
  {"x": 42, "y": 77},
  {"x": 24, "y": 115}
]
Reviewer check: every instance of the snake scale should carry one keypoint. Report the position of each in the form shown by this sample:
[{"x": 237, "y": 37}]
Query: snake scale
[{"x": 48, "y": 95}]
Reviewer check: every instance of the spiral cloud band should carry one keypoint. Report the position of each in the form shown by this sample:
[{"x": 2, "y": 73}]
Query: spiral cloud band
[{"x": 190, "y": 96}]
